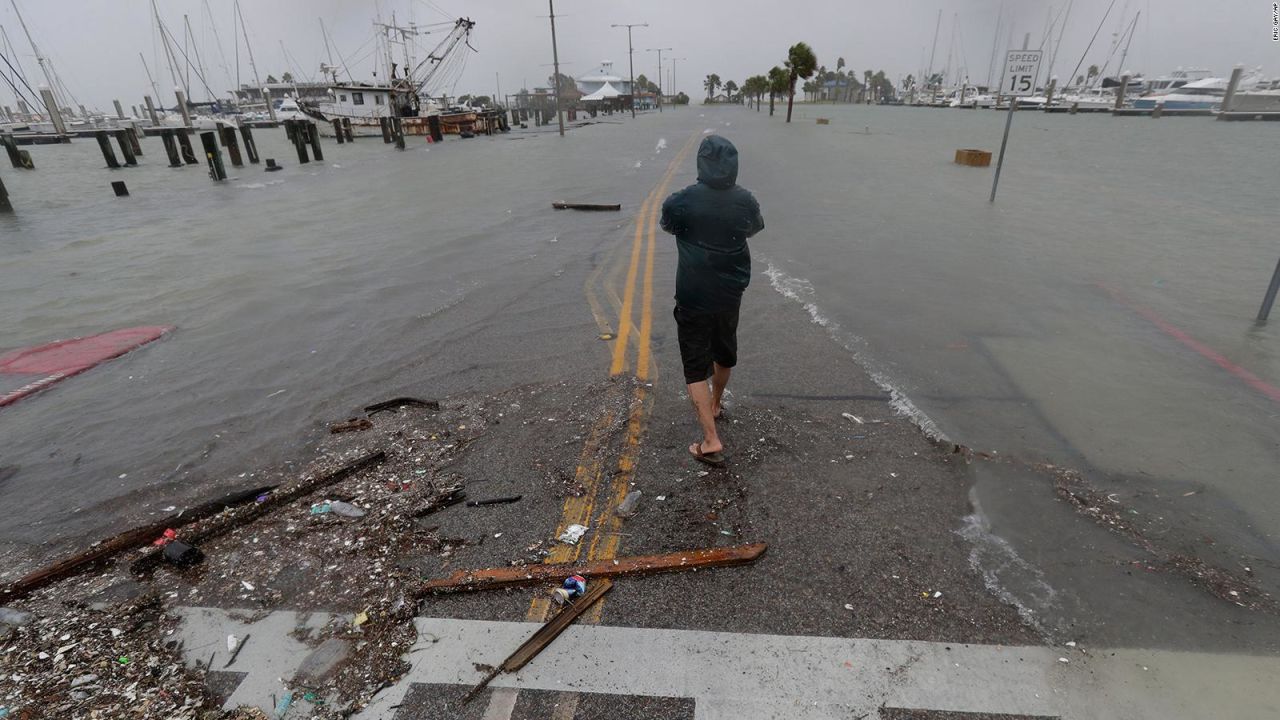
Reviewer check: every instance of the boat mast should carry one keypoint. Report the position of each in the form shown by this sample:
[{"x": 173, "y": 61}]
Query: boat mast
[
  {"x": 271, "y": 111},
  {"x": 1133, "y": 28},
  {"x": 325, "y": 35},
  {"x": 929, "y": 73},
  {"x": 150, "y": 79},
  {"x": 40, "y": 59},
  {"x": 1061, "y": 30},
  {"x": 995, "y": 40}
]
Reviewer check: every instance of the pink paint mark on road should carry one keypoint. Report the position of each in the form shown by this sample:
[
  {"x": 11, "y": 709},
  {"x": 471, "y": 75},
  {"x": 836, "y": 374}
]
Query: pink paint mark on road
[{"x": 1173, "y": 331}]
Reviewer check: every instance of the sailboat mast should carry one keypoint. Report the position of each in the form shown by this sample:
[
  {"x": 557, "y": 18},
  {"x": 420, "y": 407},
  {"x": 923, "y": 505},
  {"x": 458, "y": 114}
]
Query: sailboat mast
[
  {"x": 1133, "y": 28},
  {"x": 1053, "y": 59},
  {"x": 936, "y": 27},
  {"x": 271, "y": 111},
  {"x": 995, "y": 40},
  {"x": 40, "y": 59},
  {"x": 151, "y": 80}
]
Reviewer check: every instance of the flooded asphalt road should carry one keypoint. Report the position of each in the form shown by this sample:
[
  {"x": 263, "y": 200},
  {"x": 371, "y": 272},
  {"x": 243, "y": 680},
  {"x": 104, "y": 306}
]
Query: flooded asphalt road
[{"x": 1023, "y": 328}]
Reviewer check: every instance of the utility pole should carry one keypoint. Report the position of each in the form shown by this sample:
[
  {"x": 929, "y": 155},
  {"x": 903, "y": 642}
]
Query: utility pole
[
  {"x": 631, "y": 60},
  {"x": 659, "y": 51},
  {"x": 674, "y": 91},
  {"x": 555, "y": 59}
]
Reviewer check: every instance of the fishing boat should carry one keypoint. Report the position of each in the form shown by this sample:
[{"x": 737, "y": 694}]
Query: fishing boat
[{"x": 404, "y": 96}]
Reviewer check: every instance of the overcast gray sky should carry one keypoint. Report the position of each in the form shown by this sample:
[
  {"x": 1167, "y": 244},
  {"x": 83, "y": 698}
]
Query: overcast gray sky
[{"x": 94, "y": 44}]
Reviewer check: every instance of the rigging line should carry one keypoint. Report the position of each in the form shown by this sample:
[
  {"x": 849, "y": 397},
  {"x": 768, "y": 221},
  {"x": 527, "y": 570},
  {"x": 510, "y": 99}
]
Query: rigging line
[
  {"x": 213, "y": 25},
  {"x": 1095, "y": 37},
  {"x": 19, "y": 75},
  {"x": 189, "y": 63},
  {"x": 17, "y": 92}
]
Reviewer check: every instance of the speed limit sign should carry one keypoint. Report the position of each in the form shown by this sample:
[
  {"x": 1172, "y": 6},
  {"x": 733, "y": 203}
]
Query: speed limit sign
[{"x": 1022, "y": 69}]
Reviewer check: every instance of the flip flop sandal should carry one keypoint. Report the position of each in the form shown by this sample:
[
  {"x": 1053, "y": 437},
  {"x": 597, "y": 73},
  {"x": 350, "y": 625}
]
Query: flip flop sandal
[{"x": 715, "y": 459}]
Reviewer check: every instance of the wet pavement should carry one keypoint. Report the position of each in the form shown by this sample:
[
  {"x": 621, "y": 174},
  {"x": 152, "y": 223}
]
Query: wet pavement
[{"x": 882, "y": 533}]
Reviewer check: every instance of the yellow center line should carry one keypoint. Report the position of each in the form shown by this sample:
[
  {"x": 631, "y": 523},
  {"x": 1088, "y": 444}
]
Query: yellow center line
[{"x": 629, "y": 293}]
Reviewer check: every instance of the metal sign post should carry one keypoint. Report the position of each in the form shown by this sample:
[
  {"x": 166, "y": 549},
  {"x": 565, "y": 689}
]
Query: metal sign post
[{"x": 1022, "y": 67}]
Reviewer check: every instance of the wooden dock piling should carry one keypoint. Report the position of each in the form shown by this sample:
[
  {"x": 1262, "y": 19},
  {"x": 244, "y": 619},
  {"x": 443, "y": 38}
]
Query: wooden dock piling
[
  {"x": 126, "y": 148},
  {"x": 184, "y": 144},
  {"x": 11, "y": 147},
  {"x": 182, "y": 108},
  {"x": 1124, "y": 86},
  {"x": 433, "y": 126},
  {"x": 337, "y": 131},
  {"x": 171, "y": 147},
  {"x": 217, "y": 170},
  {"x": 119, "y": 109},
  {"x": 4, "y": 198},
  {"x": 119, "y": 187},
  {"x": 104, "y": 143},
  {"x": 397, "y": 130},
  {"x": 229, "y": 141},
  {"x": 151, "y": 111},
  {"x": 313, "y": 138},
  {"x": 250, "y": 145},
  {"x": 134, "y": 140},
  {"x": 299, "y": 143},
  {"x": 385, "y": 124},
  {"x": 346, "y": 129},
  {"x": 55, "y": 115},
  {"x": 1234, "y": 84}
]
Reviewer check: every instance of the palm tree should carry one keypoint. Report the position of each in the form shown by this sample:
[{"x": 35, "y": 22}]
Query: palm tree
[
  {"x": 801, "y": 62},
  {"x": 711, "y": 83},
  {"x": 730, "y": 88},
  {"x": 1093, "y": 73},
  {"x": 778, "y": 81},
  {"x": 839, "y": 76},
  {"x": 757, "y": 85}
]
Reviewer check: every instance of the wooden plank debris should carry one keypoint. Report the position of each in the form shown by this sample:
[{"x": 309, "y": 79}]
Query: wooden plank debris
[
  {"x": 128, "y": 540},
  {"x": 502, "y": 577},
  {"x": 440, "y": 501},
  {"x": 544, "y": 635},
  {"x": 585, "y": 206},
  {"x": 225, "y": 524},
  {"x": 396, "y": 403}
]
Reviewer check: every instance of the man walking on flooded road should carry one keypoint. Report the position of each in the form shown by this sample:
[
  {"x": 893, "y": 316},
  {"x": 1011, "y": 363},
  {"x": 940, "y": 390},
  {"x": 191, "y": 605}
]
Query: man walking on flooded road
[{"x": 711, "y": 220}]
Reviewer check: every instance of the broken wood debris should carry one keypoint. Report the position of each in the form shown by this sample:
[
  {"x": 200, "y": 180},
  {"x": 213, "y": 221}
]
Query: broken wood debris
[
  {"x": 225, "y": 524},
  {"x": 585, "y": 206},
  {"x": 445, "y": 498},
  {"x": 396, "y": 403},
  {"x": 137, "y": 537},
  {"x": 495, "y": 501},
  {"x": 544, "y": 635},
  {"x": 352, "y": 425},
  {"x": 502, "y": 577},
  {"x": 236, "y": 652}
]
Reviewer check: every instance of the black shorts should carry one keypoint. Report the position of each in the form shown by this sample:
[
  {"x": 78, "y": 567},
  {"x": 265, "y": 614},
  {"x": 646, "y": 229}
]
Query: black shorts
[{"x": 706, "y": 337}]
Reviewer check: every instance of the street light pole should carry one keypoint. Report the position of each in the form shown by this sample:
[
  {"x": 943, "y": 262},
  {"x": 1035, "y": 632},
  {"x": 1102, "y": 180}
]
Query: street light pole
[
  {"x": 673, "y": 75},
  {"x": 631, "y": 60},
  {"x": 659, "y": 51},
  {"x": 555, "y": 59}
]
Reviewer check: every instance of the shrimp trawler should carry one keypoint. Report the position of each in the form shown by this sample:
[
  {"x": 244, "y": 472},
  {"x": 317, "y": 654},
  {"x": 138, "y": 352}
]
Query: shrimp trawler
[{"x": 406, "y": 92}]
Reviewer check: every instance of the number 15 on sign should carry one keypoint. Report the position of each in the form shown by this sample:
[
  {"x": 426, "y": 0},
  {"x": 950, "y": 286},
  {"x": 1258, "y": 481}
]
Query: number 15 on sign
[{"x": 1021, "y": 70}]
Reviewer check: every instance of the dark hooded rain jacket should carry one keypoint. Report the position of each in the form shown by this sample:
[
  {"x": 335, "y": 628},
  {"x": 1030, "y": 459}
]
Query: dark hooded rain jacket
[{"x": 712, "y": 220}]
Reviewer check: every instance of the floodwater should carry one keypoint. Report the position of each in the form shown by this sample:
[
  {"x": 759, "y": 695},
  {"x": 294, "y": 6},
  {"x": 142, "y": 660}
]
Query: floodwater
[{"x": 1099, "y": 315}]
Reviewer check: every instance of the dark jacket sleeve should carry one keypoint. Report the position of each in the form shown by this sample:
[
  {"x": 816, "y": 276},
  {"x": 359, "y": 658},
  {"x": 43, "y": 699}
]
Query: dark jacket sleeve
[
  {"x": 756, "y": 222},
  {"x": 673, "y": 214}
]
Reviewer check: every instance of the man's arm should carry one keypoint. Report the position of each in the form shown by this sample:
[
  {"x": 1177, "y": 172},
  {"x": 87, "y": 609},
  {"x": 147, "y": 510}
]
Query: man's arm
[
  {"x": 673, "y": 215},
  {"x": 756, "y": 222}
]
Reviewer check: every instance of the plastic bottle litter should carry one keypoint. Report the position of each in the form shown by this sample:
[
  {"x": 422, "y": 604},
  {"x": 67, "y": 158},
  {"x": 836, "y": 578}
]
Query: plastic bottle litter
[
  {"x": 573, "y": 534},
  {"x": 345, "y": 509},
  {"x": 322, "y": 508},
  {"x": 574, "y": 586},
  {"x": 627, "y": 507}
]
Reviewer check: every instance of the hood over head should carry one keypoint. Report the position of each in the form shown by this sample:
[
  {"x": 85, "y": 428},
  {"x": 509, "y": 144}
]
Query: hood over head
[{"x": 717, "y": 162}]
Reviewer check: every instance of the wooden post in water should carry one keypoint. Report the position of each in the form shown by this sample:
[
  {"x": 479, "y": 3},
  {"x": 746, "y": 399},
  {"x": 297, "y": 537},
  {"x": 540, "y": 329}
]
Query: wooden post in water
[
  {"x": 1270, "y": 298},
  {"x": 55, "y": 115},
  {"x": 313, "y": 137},
  {"x": 1048, "y": 94},
  {"x": 11, "y": 147},
  {"x": 1075, "y": 107},
  {"x": 346, "y": 129},
  {"x": 1229, "y": 99},
  {"x": 4, "y": 198},
  {"x": 134, "y": 109},
  {"x": 119, "y": 187},
  {"x": 126, "y": 148},
  {"x": 397, "y": 129},
  {"x": 229, "y": 142},
  {"x": 337, "y": 131},
  {"x": 1158, "y": 110},
  {"x": 134, "y": 142},
  {"x": 214, "y": 156},
  {"x": 8, "y": 114},
  {"x": 151, "y": 111},
  {"x": 1124, "y": 86},
  {"x": 182, "y": 107},
  {"x": 104, "y": 143},
  {"x": 433, "y": 126},
  {"x": 299, "y": 143},
  {"x": 250, "y": 146},
  {"x": 170, "y": 147},
  {"x": 385, "y": 124},
  {"x": 119, "y": 109},
  {"x": 184, "y": 144}
]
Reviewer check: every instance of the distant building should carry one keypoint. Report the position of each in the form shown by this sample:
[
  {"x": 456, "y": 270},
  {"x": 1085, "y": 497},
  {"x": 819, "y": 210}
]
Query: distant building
[{"x": 598, "y": 77}]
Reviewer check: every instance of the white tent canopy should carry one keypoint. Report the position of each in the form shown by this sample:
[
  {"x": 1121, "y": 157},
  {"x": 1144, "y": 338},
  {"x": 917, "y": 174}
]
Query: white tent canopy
[{"x": 606, "y": 92}]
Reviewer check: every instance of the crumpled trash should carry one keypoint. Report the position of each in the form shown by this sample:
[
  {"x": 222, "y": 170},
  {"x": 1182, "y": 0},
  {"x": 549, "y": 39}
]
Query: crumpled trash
[
  {"x": 345, "y": 509},
  {"x": 573, "y": 534}
]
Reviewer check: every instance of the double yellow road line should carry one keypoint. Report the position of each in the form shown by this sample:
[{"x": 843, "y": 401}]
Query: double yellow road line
[{"x": 603, "y": 539}]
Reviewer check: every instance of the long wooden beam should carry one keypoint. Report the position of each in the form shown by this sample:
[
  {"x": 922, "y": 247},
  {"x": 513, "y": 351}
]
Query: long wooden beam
[{"x": 501, "y": 577}]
